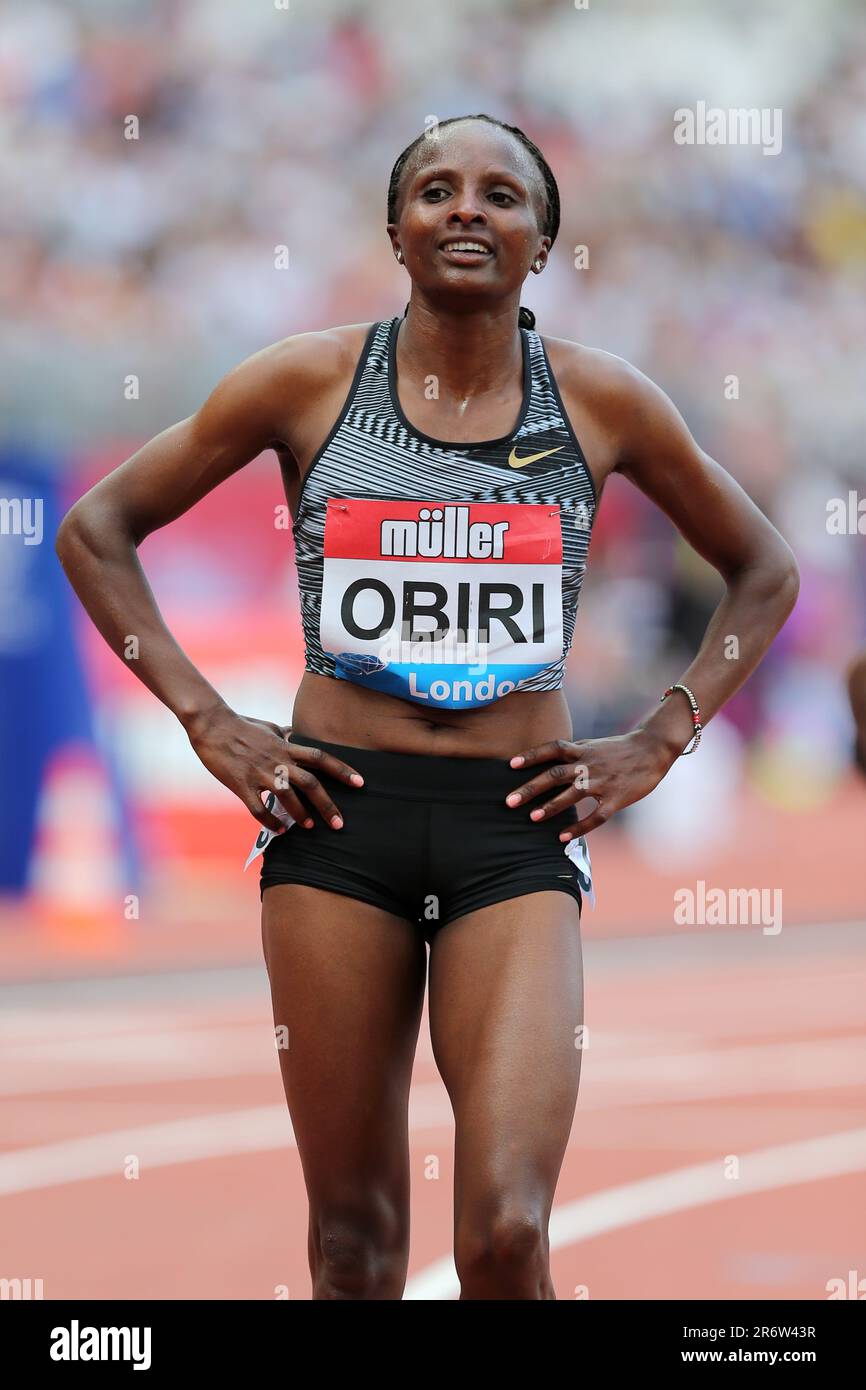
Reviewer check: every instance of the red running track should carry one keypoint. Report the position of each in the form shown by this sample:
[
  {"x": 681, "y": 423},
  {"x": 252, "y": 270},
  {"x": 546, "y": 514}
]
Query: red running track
[{"x": 717, "y": 1150}]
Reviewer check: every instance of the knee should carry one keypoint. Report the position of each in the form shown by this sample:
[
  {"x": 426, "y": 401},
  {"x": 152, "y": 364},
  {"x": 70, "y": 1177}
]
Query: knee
[
  {"x": 506, "y": 1251},
  {"x": 359, "y": 1253}
]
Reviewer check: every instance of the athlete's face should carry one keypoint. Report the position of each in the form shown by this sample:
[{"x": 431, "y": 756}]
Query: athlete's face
[{"x": 475, "y": 184}]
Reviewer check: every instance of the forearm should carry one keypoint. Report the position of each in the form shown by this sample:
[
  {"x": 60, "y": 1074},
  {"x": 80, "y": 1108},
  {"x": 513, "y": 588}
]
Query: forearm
[
  {"x": 755, "y": 606},
  {"x": 102, "y": 565}
]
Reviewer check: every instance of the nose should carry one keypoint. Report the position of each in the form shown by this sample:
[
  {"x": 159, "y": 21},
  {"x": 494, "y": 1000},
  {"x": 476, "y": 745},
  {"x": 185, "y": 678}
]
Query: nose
[{"x": 466, "y": 212}]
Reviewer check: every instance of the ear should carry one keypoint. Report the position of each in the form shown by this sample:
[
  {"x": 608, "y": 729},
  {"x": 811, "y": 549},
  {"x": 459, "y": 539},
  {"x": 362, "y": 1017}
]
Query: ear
[
  {"x": 542, "y": 251},
  {"x": 394, "y": 238}
]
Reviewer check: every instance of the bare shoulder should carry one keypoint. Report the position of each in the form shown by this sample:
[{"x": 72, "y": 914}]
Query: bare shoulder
[
  {"x": 310, "y": 362},
  {"x": 282, "y": 393},
  {"x": 323, "y": 351},
  {"x": 598, "y": 377},
  {"x": 618, "y": 406}
]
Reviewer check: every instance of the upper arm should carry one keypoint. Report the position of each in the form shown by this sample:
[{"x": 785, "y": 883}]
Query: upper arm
[
  {"x": 657, "y": 452},
  {"x": 244, "y": 414}
]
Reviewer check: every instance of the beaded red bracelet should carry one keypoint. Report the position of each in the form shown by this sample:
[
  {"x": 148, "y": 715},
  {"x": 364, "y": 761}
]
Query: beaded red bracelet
[{"x": 696, "y": 715}]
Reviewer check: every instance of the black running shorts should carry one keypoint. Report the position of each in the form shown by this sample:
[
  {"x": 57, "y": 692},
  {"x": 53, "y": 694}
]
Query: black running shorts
[{"x": 427, "y": 838}]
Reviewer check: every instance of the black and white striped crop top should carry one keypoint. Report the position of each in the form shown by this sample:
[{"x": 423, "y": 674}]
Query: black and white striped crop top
[{"x": 443, "y": 573}]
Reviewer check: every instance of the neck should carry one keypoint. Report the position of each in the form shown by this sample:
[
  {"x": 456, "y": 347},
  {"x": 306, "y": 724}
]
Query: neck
[{"x": 471, "y": 351}]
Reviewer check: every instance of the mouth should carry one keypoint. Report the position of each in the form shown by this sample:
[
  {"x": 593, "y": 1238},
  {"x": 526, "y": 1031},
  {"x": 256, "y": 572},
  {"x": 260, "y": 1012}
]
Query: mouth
[{"x": 466, "y": 251}]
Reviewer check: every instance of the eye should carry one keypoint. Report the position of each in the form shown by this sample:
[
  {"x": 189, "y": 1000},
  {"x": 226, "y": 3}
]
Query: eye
[
  {"x": 430, "y": 194},
  {"x": 501, "y": 198}
]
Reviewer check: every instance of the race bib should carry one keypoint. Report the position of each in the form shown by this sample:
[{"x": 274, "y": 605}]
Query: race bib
[
  {"x": 578, "y": 853},
  {"x": 264, "y": 837},
  {"x": 449, "y": 604}
]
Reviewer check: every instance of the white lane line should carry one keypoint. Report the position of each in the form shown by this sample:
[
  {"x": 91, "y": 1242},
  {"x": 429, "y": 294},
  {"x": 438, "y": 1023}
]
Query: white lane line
[
  {"x": 178, "y": 1141},
  {"x": 776, "y": 1067},
  {"x": 57, "y": 1063},
  {"x": 765, "y": 1170},
  {"x": 255, "y": 1130},
  {"x": 613, "y": 1076},
  {"x": 23, "y": 1027}
]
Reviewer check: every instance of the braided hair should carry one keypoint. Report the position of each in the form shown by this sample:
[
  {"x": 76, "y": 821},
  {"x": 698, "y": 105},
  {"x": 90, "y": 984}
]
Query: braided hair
[{"x": 550, "y": 225}]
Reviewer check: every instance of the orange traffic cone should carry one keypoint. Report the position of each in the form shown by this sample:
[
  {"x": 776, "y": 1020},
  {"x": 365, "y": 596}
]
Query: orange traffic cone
[{"x": 76, "y": 870}]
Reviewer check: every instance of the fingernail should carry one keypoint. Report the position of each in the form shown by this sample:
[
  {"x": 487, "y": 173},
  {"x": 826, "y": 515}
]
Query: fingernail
[
  {"x": 513, "y": 799},
  {"x": 308, "y": 824},
  {"x": 535, "y": 815},
  {"x": 336, "y": 822},
  {"x": 357, "y": 779},
  {"x": 517, "y": 762},
  {"x": 565, "y": 836}
]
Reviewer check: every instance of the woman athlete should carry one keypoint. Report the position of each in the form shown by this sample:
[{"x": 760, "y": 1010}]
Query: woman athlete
[{"x": 442, "y": 470}]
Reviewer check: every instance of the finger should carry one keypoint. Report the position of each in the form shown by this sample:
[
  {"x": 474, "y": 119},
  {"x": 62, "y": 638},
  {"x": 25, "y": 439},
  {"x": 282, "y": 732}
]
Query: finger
[
  {"x": 590, "y": 820},
  {"x": 593, "y": 821},
  {"x": 326, "y": 762},
  {"x": 542, "y": 754},
  {"x": 546, "y": 781},
  {"x": 313, "y": 791},
  {"x": 257, "y": 809},
  {"x": 577, "y": 797},
  {"x": 573, "y": 830},
  {"x": 292, "y": 803},
  {"x": 275, "y": 781},
  {"x": 558, "y": 804}
]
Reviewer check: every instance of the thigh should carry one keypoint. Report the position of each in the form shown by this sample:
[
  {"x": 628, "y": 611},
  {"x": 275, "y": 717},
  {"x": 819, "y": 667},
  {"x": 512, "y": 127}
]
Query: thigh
[
  {"x": 347, "y": 985},
  {"x": 506, "y": 1009}
]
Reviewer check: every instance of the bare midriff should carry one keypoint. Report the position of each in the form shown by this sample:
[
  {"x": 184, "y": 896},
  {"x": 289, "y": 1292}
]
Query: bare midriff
[{"x": 337, "y": 711}]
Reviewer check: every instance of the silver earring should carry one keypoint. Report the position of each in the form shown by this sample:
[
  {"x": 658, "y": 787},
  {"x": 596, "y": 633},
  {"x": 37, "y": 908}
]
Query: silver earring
[
  {"x": 399, "y": 254},
  {"x": 539, "y": 265}
]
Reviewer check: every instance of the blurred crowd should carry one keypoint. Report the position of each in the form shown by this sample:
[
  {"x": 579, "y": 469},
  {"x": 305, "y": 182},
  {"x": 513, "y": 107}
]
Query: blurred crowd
[{"x": 734, "y": 278}]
